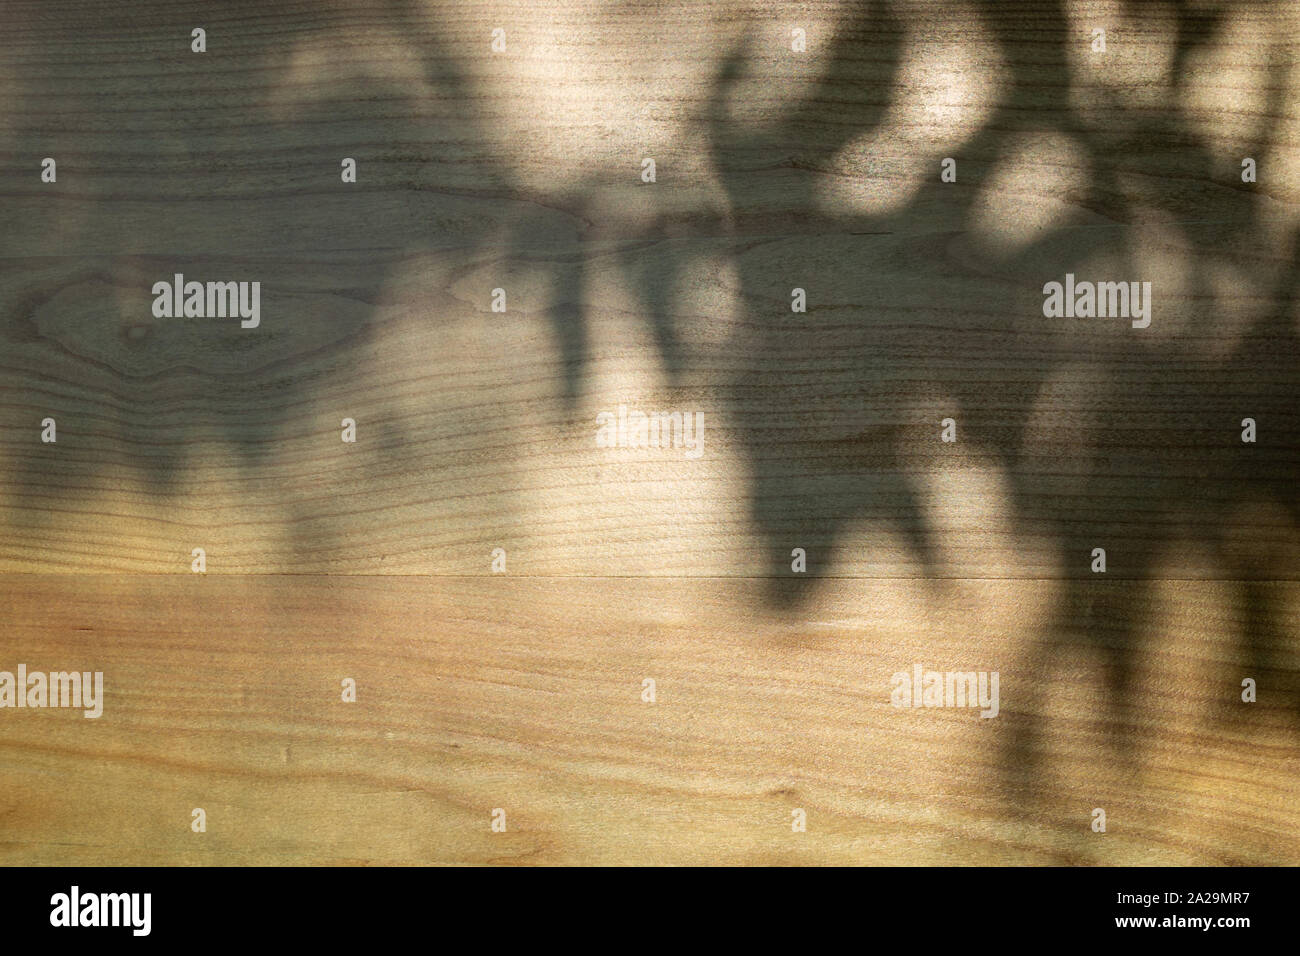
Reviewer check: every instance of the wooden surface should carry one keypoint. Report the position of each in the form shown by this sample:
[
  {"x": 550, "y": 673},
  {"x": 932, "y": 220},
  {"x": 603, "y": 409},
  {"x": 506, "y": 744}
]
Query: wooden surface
[{"x": 477, "y": 430}]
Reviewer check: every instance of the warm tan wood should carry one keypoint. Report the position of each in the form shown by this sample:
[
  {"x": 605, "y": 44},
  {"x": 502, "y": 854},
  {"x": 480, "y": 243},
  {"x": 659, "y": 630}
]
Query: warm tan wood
[
  {"x": 222, "y": 693},
  {"x": 477, "y": 430}
]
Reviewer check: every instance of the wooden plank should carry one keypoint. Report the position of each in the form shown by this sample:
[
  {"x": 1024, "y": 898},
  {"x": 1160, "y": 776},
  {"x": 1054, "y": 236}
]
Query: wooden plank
[{"x": 223, "y": 692}]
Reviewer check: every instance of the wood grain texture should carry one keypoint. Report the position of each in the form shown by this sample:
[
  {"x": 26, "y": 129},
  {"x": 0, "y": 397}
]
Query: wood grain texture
[
  {"x": 477, "y": 430},
  {"x": 524, "y": 694}
]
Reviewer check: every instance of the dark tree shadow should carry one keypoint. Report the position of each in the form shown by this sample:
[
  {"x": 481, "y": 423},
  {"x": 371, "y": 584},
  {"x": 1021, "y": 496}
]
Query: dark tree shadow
[
  {"x": 226, "y": 166},
  {"x": 1166, "y": 468}
]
